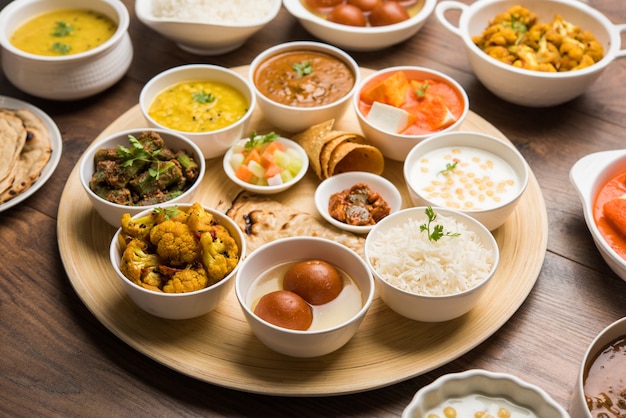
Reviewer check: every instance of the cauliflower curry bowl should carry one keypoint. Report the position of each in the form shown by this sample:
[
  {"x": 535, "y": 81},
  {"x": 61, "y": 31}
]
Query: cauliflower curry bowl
[
  {"x": 177, "y": 261},
  {"x": 139, "y": 169},
  {"x": 541, "y": 54}
]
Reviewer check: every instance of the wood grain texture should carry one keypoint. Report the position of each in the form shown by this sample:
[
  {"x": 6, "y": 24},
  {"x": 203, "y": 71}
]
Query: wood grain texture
[{"x": 219, "y": 348}]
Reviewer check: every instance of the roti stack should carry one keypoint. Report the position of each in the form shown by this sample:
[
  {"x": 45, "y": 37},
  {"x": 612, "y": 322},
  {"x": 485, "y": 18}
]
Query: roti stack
[
  {"x": 332, "y": 152},
  {"x": 24, "y": 151}
]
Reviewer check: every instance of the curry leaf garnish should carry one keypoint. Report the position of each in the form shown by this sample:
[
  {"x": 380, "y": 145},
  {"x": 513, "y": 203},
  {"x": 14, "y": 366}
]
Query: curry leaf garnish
[
  {"x": 303, "y": 68},
  {"x": 449, "y": 167},
  {"x": 437, "y": 231},
  {"x": 62, "y": 29},
  {"x": 255, "y": 140},
  {"x": 61, "y": 48},
  {"x": 202, "y": 97},
  {"x": 137, "y": 152},
  {"x": 420, "y": 91}
]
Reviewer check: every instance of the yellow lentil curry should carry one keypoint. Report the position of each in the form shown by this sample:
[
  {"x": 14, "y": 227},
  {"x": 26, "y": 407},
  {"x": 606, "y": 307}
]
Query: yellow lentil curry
[
  {"x": 304, "y": 78},
  {"x": 198, "y": 106},
  {"x": 63, "y": 32}
]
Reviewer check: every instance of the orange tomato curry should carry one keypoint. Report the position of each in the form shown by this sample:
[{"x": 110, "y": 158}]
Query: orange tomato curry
[
  {"x": 427, "y": 101},
  {"x": 304, "y": 78},
  {"x": 609, "y": 213}
]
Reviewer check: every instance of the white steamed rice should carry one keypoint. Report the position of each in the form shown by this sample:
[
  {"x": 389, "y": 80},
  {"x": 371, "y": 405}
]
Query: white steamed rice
[
  {"x": 213, "y": 11},
  {"x": 404, "y": 257}
]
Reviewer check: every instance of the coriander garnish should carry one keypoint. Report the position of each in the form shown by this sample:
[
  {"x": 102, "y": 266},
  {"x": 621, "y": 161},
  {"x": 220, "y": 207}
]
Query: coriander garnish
[
  {"x": 303, "y": 68},
  {"x": 437, "y": 231},
  {"x": 449, "y": 167},
  {"x": 62, "y": 29},
  {"x": 61, "y": 48},
  {"x": 420, "y": 91},
  {"x": 202, "y": 97},
  {"x": 255, "y": 140},
  {"x": 138, "y": 153},
  {"x": 168, "y": 212}
]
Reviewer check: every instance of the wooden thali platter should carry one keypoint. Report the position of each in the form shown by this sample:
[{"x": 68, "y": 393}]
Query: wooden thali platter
[{"x": 219, "y": 347}]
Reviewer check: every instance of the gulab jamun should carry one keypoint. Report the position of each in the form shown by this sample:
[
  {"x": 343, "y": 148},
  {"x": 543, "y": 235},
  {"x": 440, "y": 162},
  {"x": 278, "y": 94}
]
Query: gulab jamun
[
  {"x": 388, "y": 13},
  {"x": 347, "y": 14},
  {"x": 316, "y": 281},
  {"x": 285, "y": 309}
]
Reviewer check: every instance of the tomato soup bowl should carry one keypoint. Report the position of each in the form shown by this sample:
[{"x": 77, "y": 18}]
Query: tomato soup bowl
[
  {"x": 399, "y": 235},
  {"x": 311, "y": 342},
  {"x": 290, "y": 118},
  {"x": 492, "y": 201},
  {"x": 353, "y": 38},
  {"x": 207, "y": 37},
  {"x": 501, "y": 389},
  {"x": 112, "y": 212},
  {"x": 71, "y": 76},
  {"x": 528, "y": 87},
  {"x": 395, "y": 145},
  {"x": 578, "y": 407},
  {"x": 213, "y": 143},
  {"x": 588, "y": 176},
  {"x": 187, "y": 305}
]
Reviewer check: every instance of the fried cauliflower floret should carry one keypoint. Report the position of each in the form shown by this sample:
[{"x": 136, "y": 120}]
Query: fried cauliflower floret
[
  {"x": 189, "y": 279},
  {"x": 141, "y": 267},
  {"x": 200, "y": 220},
  {"x": 175, "y": 243},
  {"x": 220, "y": 253}
]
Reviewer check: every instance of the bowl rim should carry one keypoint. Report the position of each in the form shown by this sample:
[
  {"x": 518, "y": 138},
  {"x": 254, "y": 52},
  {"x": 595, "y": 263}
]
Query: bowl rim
[
  {"x": 315, "y": 46},
  {"x": 114, "y": 254},
  {"x": 298, "y": 10},
  {"x": 466, "y": 219},
  {"x": 144, "y": 104},
  {"x": 431, "y": 72},
  {"x": 358, "y": 177},
  {"x": 267, "y": 189},
  {"x": 144, "y": 14},
  {"x": 609, "y": 27},
  {"x": 367, "y": 300},
  {"x": 121, "y": 17},
  {"x": 416, "y": 151},
  {"x": 477, "y": 373},
  {"x": 87, "y": 159}
]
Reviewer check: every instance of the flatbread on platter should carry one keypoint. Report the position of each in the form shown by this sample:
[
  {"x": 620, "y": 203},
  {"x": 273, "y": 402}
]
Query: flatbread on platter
[
  {"x": 25, "y": 149},
  {"x": 264, "y": 220}
]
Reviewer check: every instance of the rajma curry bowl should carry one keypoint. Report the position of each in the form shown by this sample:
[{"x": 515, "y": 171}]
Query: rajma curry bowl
[
  {"x": 530, "y": 87},
  {"x": 177, "y": 292},
  {"x": 304, "y": 296},
  {"x": 60, "y": 73}
]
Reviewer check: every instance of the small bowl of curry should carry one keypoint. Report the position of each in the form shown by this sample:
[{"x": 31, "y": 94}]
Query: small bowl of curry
[
  {"x": 356, "y": 201},
  {"x": 209, "y": 104},
  {"x": 301, "y": 84},
  {"x": 65, "y": 50}
]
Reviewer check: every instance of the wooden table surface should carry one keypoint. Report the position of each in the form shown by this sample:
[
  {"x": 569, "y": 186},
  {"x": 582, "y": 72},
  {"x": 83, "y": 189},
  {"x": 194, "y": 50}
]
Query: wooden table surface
[{"x": 56, "y": 359}]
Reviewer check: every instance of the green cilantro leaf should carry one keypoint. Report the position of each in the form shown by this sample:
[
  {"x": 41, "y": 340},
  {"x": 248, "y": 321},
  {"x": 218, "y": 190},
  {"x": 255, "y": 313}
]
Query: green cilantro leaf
[
  {"x": 137, "y": 152},
  {"x": 202, "y": 97},
  {"x": 420, "y": 91},
  {"x": 449, "y": 167},
  {"x": 62, "y": 29},
  {"x": 303, "y": 68},
  {"x": 61, "y": 48},
  {"x": 437, "y": 230},
  {"x": 257, "y": 140}
]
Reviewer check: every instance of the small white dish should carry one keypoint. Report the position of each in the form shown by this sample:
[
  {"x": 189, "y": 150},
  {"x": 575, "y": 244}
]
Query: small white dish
[
  {"x": 340, "y": 182},
  {"x": 230, "y": 171},
  {"x": 56, "y": 144},
  {"x": 499, "y": 386}
]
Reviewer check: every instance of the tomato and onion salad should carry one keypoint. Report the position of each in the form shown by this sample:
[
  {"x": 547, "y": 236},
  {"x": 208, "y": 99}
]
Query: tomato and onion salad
[{"x": 264, "y": 160}]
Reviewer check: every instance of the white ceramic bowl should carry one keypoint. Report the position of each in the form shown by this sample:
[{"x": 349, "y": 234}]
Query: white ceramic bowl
[
  {"x": 303, "y": 343},
  {"x": 527, "y": 87},
  {"x": 393, "y": 145},
  {"x": 212, "y": 143},
  {"x": 578, "y": 406},
  {"x": 427, "y": 308},
  {"x": 68, "y": 77},
  {"x": 588, "y": 175},
  {"x": 359, "y": 38},
  {"x": 488, "y": 384},
  {"x": 495, "y": 214},
  {"x": 259, "y": 189},
  {"x": 112, "y": 212},
  {"x": 296, "y": 119},
  {"x": 180, "y": 305},
  {"x": 206, "y": 36},
  {"x": 340, "y": 182}
]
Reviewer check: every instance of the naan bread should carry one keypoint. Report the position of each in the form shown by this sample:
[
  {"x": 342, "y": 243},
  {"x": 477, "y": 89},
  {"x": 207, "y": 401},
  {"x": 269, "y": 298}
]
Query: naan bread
[
  {"x": 264, "y": 220},
  {"x": 34, "y": 153}
]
